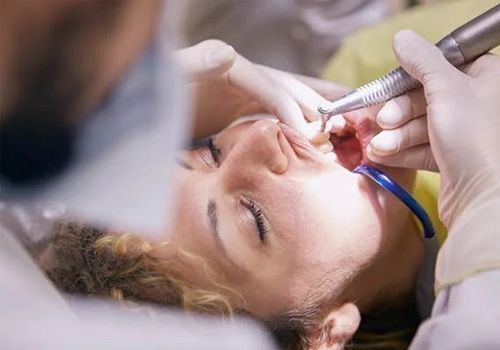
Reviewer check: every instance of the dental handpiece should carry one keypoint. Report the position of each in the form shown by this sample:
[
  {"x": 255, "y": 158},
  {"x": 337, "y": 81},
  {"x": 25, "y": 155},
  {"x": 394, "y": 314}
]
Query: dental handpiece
[{"x": 463, "y": 45}]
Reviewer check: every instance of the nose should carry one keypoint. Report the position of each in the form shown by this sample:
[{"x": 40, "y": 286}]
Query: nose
[{"x": 257, "y": 152}]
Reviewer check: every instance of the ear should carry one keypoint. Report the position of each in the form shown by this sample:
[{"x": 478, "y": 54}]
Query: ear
[{"x": 338, "y": 327}]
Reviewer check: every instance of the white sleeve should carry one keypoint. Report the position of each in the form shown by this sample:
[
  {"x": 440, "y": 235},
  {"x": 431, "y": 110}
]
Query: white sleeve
[
  {"x": 466, "y": 313},
  {"x": 465, "y": 316}
]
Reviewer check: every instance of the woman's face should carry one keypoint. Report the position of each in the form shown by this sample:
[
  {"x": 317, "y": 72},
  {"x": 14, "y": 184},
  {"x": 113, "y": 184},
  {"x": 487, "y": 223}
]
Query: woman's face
[{"x": 273, "y": 216}]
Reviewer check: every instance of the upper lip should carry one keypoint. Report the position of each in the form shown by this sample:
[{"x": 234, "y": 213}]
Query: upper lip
[{"x": 300, "y": 145}]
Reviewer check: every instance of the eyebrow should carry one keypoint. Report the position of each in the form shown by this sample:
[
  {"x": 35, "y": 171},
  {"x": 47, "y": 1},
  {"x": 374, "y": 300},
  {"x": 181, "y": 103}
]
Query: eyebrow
[
  {"x": 183, "y": 164},
  {"x": 214, "y": 226}
]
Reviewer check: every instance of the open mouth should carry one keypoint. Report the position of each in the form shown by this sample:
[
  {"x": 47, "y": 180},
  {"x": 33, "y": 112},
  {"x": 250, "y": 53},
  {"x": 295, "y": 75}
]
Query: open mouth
[
  {"x": 350, "y": 145},
  {"x": 348, "y": 148}
]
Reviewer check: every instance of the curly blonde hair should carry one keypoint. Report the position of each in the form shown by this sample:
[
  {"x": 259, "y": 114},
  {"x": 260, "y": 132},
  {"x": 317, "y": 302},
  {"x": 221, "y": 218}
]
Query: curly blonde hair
[
  {"x": 85, "y": 260},
  {"x": 82, "y": 259}
]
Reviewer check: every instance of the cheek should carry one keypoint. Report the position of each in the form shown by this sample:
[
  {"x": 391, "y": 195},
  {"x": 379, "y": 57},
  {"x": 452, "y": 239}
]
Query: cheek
[{"x": 345, "y": 230}]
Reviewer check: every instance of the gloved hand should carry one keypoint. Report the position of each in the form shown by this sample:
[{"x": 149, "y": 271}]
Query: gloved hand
[
  {"x": 457, "y": 132},
  {"x": 225, "y": 86}
]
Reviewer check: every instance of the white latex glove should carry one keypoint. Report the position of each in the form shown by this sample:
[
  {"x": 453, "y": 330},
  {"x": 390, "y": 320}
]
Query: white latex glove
[
  {"x": 457, "y": 132},
  {"x": 227, "y": 86}
]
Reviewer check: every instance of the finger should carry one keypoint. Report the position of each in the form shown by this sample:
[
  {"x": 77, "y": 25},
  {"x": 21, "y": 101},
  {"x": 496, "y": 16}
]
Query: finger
[
  {"x": 484, "y": 65},
  {"x": 306, "y": 97},
  {"x": 402, "y": 109},
  {"x": 422, "y": 60},
  {"x": 336, "y": 124},
  {"x": 207, "y": 59},
  {"x": 418, "y": 157},
  {"x": 389, "y": 142},
  {"x": 329, "y": 90},
  {"x": 253, "y": 81}
]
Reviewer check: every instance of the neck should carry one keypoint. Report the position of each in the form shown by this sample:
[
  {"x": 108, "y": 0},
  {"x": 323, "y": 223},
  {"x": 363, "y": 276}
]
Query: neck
[{"x": 393, "y": 276}]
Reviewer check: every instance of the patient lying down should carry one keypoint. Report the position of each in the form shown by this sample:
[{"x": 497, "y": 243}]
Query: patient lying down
[{"x": 266, "y": 225}]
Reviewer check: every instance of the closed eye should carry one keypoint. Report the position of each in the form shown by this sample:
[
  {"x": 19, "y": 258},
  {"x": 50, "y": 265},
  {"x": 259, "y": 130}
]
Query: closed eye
[
  {"x": 214, "y": 151},
  {"x": 207, "y": 151},
  {"x": 258, "y": 215}
]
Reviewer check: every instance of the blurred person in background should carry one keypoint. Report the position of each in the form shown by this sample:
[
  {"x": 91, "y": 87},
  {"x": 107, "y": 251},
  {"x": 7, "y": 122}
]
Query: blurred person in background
[{"x": 293, "y": 35}]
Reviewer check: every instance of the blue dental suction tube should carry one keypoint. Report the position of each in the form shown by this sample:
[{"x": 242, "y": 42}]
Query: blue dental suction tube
[{"x": 389, "y": 184}]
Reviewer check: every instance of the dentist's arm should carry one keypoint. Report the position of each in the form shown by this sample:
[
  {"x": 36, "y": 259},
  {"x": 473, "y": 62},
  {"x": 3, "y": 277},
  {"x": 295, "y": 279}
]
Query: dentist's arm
[
  {"x": 456, "y": 132},
  {"x": 224, "y": 85}
]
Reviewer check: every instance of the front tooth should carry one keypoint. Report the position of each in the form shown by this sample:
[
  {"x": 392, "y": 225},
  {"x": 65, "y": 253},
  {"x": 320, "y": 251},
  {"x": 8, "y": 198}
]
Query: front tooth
[
  {"x": 336, "y": 124},
  {"x": 320, "y": 138},
  {"x": 326, "y": 147}
]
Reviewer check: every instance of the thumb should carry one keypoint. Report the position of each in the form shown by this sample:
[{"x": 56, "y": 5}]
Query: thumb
[
  {"x": 421, "y": 59},
  {"x": 207, "y": 59}
]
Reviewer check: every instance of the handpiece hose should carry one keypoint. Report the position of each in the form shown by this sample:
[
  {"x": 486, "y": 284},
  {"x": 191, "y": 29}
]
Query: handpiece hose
[{"x": 463, "y": 45}]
